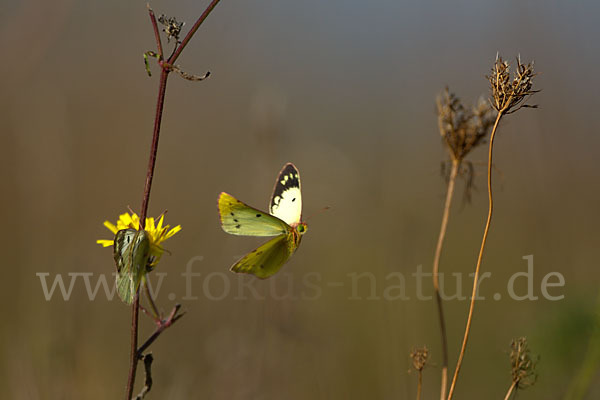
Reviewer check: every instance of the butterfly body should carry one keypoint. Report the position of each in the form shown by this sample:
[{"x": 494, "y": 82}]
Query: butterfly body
[{"x": 283, "y": 221}]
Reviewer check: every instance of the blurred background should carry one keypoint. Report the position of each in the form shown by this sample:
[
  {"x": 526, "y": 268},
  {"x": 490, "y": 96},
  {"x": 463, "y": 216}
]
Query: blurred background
[{"x": 345, "y": 90}]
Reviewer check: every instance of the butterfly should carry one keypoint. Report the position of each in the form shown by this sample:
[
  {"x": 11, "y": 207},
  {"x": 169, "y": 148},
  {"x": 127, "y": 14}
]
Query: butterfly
[
  {"x": 131, "y": 252},
  {"x": 284, "y": 221}
]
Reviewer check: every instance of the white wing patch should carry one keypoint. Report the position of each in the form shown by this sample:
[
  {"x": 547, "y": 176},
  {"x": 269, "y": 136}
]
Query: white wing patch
[
  {"x": 286, "y": 201},
  {"x": 288, "y": 206}
]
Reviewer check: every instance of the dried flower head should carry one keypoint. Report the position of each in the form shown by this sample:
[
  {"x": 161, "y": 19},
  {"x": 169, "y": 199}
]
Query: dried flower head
[
  {"x": 522, "y": 363},
  {"x": 509, "y": 96},
  {"x": 462, "y": 129},
  {"x": 171, "y": 27},
  {"x": 419, "y": 358}
]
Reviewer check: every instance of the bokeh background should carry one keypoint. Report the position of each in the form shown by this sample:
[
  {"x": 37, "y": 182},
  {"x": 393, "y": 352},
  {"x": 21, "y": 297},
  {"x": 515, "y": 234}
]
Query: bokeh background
[{"x": 345, "y": 90}]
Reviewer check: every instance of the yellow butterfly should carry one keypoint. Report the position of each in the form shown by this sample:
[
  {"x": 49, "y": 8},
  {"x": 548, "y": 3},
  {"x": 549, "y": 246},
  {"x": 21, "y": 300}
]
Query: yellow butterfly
[{"x": 283, "y": 221}]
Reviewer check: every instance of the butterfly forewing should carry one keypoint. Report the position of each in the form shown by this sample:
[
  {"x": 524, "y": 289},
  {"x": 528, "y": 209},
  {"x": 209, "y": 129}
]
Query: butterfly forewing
[
  {"x": 131, "y": 252},
  {"x": 286, "y": 200},
  {"x": 284, "y": 221},
  {"x": 267, "y": 259},
  {"x": 238, "y": 218}
]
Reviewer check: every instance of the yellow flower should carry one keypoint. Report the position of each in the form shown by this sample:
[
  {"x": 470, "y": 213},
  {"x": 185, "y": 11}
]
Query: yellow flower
[{"x": 157, "y": 233}]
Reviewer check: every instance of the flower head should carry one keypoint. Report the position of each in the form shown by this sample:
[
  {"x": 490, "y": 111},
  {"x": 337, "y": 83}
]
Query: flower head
[
  {"x": 172, "y": 27},
  {"x": 462, "y": 129},
  {"x": 522, "y": 363},
  {"x": 157, "y": 233},
  {"x": 509, "y": 96},
  {"x": 419, "y": 358}
]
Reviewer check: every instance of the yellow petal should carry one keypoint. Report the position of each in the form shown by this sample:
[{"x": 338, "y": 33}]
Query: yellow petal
[
  {"x": 157, "y": 232},
  {"x": 125, "y": 219},
  {"x": 111, "y": 227},
  {"x": 105, "y": 243},
  {"x": 150, "y": 224},
  {"x": 135, "y": 220},
  {"x": 173, "y": 232}
]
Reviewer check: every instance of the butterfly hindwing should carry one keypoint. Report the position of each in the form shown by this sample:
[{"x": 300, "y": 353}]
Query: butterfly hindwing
[
  {"x": 238, "y": 218},
  {"x": 131, "y": 252},
  {"x": 267, "y": 259},
  {"x": 286, "y": 200}
]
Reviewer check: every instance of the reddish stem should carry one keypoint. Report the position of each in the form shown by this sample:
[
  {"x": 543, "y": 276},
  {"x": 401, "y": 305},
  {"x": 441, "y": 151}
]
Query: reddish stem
[
  {"x": 193, "y": 30},
  {"x": 154, "y": 147},
  {"x": 133, "y": 361},
  {"x": 162, "y": 325},
  {"x": 156, "y": 32},
  {"x": 134, "y": 354}
]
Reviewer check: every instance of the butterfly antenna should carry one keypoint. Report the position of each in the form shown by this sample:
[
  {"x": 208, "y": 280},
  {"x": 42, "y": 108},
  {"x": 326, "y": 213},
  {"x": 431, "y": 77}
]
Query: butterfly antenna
[{"x": 320, "y": 212}]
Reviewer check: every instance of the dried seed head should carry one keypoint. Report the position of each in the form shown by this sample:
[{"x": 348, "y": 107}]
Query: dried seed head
[
  {"x": 522, "y": 364},
  {"x": 171, "y": 27},
  {"x": 419, "y": 358},
  {"x": 509, "y": 96},
  {"x": 462, "y": 129}
]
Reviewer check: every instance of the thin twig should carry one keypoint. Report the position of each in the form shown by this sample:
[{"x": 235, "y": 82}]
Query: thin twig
[
  {"x": 148, "y": 313},
  {"x": 435, "y": 274},
  {"x": 173, "y": 317},
  {"x": 133, "y": 361},
  {"x": 148, "y": 381},
  {"x": 193, "y": 30},
  {"x": 479, "y": 258},
  {"x": 156, "y": 32},
  {"x": 154, "y": 146},
  {"x": 510, "y": 390},
  {"x": 156, "y": 314},
  {"x": 419, "y": 384}
]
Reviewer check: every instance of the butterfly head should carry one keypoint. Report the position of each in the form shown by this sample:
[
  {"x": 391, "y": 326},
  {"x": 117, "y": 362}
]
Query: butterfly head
[{"x": 301, "y": 228}]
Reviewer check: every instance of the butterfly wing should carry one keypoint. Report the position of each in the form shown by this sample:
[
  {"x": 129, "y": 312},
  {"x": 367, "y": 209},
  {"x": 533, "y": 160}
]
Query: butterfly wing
[
  {"x": 286, "y": 200},
  {"x": 238, "y": 218},
  {"x": 131, "y": 252},
  {"x": 267, "y": 259}
]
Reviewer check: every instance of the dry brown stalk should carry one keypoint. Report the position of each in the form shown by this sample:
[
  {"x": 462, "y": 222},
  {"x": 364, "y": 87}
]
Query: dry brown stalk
[
  {"x": 522, "y": 366},
  {"x": 462, "y": 130},
  {"x": 419, "y": 358},
  {"x": 507, "y": 97}
]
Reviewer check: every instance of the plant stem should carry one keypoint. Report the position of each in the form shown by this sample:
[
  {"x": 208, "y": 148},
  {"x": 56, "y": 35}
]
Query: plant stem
[
  {"x": 173, "y": 317},
  {"x": 148, "y": 359},
  {"x": 510, "y": 390},
  {"x": 159, "y": 47},
  {"x": 155, "y": 312},
  {"x": 193, "y": 30},
  {"x": 419, "y": 384},
  {"x": 154, "y": 146},
  {"x": 435, "y": 274},
  {"x": 148, "y": 185},
  {"x": 479, "y": 258},
  {"x": 133, "y": 361}
]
